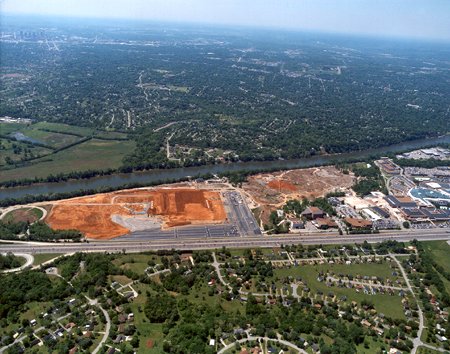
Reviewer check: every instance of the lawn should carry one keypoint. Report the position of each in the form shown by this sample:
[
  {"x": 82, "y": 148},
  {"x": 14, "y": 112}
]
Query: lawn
[
  {"x": 91, "y": 155},
  {"x": 135, "y": 262},
  {"x": 44, "y": 257},
  {"x": 121, "y": 279},
  {"x": 382, "y": 270},
  {"x": 35, "y": 309},
  {"x": 423, "y": 350}
]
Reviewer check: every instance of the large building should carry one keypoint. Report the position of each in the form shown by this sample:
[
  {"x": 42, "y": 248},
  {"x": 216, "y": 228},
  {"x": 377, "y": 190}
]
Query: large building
[
  {"x": 358, "y": 223},
  {"x": 400, "y": 202},
  {"x": 313, "y": 213}
]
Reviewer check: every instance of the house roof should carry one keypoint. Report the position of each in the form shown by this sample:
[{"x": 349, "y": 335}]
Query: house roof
[
  {"x": 326, "y": 222},
  {"x": 312, "y": 210},
  {"x": 358, "y": 223}
]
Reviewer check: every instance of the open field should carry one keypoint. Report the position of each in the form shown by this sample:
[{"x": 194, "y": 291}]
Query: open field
[
  {"x": 29, "y": 215},
  {"x": 109, "y": 215},
  {"x": 91, "y": 155}
]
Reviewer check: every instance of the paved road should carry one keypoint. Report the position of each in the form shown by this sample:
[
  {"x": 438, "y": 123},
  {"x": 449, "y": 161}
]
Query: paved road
[
  {"x": 370, "y": 285},
  {"x": 107, "y": 329},
  {"x": 416, "y": 341},
  {"x": 229, "y": 242},
  {"x": 29, "y": 261}
]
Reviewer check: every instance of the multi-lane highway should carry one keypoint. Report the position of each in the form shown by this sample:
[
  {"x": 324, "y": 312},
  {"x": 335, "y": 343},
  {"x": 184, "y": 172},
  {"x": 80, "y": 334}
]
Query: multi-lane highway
[{"x": 140, "y": 245}]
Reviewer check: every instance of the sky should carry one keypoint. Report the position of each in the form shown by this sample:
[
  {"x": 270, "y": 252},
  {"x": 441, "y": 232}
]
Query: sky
[{"x": 422, "y": 19}]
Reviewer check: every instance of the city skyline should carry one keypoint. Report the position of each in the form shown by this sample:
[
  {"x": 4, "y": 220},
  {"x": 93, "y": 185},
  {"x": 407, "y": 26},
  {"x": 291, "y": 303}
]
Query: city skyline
[{"x": 407, "y": 19}]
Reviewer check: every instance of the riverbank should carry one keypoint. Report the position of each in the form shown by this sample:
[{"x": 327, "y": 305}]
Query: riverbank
[{"x": 72, "y": 188}]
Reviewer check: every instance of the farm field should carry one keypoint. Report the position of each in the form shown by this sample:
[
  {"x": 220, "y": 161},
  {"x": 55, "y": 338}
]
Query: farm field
[
  {"x": 110, "y": 215},
  {"x": 94, "y": 154},
  {"x": 54, "y": 139},
  {"x": 39, "y": 155}
]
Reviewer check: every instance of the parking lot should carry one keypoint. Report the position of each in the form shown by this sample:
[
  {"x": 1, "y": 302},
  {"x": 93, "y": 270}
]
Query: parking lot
[{"x": 240, "y": 215}]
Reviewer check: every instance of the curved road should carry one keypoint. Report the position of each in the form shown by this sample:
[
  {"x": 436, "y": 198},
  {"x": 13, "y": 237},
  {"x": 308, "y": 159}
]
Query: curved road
[
  {"x": 29, "y": 262},
  {"x": 241, "y": 341}
]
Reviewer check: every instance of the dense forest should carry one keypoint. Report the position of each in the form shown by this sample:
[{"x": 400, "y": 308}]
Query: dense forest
[
  {"x": 9, "y": 261},
  {"x": 38, "y": 231},
  {"x": 201, "y": 96}
]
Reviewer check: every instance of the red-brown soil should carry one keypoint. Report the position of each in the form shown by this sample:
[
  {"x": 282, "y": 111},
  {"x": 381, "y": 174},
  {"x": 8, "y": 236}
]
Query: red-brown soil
[{"x": 92, "y": 214}]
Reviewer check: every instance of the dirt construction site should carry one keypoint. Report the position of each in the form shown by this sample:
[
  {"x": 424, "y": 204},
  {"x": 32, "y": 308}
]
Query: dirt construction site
[
  {"x": 109, "y": 215},
  {"x": 271, "y": 190}
]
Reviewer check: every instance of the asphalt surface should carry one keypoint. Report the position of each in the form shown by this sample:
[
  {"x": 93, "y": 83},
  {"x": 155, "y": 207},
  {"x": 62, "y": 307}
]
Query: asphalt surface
[
  {"x": 240, "y": 215},
  {"x": 229, "y": 242}
]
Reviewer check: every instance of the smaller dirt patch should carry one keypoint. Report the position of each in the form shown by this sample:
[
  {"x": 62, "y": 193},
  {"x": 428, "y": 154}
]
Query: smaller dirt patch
[
  {"x": 149, "y": 344},
  {"x": 281, "y": 185},
  {"x": 29, "y": 215}
]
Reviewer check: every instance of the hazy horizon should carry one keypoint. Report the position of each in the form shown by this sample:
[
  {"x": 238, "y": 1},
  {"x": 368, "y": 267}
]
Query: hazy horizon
[{"x": 411, "y": 19}]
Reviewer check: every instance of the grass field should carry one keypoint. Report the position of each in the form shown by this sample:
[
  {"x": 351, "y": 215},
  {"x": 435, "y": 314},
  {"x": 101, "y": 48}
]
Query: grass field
[
  {"x": 64, "y": 128},
  {"x": 90, "y": 155},
  {"x": 44, "y": 257},
  {"x": 6, "y": 128},
  {"x": 84, "y": 131},
  {"x": 56, "y": 140},
  {"x": 440, "y": 252}
]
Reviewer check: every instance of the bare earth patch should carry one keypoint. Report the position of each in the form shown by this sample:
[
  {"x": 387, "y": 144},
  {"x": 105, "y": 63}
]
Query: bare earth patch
[
  {"x": 108, "y": 215},
  {"x": 272, "y": 190}
]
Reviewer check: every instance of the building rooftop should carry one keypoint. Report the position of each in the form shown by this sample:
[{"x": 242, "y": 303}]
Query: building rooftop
[{"x": 358, "y": 223}]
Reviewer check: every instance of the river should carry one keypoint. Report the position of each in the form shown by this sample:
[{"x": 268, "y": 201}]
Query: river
[{"x": 148, "y": 177}]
